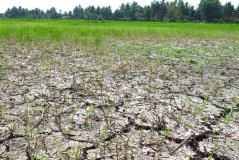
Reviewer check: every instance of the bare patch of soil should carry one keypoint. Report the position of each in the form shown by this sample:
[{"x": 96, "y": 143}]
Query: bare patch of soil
[{"x": 66, "y": 104}]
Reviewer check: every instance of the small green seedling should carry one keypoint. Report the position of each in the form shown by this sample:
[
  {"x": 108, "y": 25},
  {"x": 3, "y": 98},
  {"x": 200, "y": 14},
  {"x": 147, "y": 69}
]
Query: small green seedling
[
  {"x": 78, "y": 151},
  {"x": 1, "y": 109},
  {"x": 41, "y": 157},
  {"x": 90, "y": 110},
  {"x": 199, "y": 110}
]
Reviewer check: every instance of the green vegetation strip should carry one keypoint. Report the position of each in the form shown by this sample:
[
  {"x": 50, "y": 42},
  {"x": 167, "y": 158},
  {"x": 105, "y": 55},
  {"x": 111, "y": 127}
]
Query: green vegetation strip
[{"x": 97, "y": 31}]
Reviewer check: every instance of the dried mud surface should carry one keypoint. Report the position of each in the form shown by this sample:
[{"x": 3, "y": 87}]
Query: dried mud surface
[{"x": 66, "y": 104}]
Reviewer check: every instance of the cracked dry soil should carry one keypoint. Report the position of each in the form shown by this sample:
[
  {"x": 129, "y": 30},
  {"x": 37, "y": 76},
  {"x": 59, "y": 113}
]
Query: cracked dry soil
[{"x": 67, "y": 104}]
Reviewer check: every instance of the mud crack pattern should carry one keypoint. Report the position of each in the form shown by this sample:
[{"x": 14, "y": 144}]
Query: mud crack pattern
[{"x": 73, "y": 105}]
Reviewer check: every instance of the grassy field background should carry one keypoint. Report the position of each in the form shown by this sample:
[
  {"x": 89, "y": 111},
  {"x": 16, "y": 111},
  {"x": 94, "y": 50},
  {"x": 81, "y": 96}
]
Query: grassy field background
[{"x": 73, "y": 30}]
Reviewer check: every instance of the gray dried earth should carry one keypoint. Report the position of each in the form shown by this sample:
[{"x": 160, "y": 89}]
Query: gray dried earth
[{"x": 176, "y": 100}]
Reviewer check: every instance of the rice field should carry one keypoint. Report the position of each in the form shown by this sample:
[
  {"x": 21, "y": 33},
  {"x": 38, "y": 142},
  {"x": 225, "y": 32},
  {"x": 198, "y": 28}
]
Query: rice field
[{"x": 118, "y": 90}]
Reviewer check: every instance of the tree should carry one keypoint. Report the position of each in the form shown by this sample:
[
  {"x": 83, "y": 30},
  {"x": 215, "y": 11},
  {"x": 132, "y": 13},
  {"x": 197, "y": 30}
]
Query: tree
[
  {"x": 90, "y": 13},
  {"x": 235, "y": 15},
  {"x": 70, "y": 14},
  {"x": 173, "y": 11},
  {"x": 106, "y": 13},
  {"x": 210, "y": 10},
  {"x": 182, "y": 11},
  {"x": 125, "y": 11},
  {"x": 78, "y": 12},
  {"x": 66, "y": 15},
  {"x": 147, "y": 13},
  {"x": 36, "y": 13},
  {"x": 136, "y": 12},
  {"x": 2, "y": 15},
  {"x": 52, "y": 14},
  {"x": 228, "y": 10},
  {"x": 159, "y": 10},
  {"x": 190, "y": 13},
  {"x": 16, "y": 12},
  {"x": 117, "y": 15}
]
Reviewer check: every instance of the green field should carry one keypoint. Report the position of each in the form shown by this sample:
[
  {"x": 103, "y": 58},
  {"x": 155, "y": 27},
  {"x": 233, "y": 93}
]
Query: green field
[
  {"x": 66, "y": 30},
  {"x": 118, "y": 90}
]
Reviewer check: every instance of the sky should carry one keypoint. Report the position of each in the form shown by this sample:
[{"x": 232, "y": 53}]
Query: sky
[{"x": 67, "y": 5}]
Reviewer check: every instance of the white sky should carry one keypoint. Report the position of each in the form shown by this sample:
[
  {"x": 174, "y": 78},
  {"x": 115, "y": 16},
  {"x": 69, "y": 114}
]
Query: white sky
[{"x": 67, "y": 5}]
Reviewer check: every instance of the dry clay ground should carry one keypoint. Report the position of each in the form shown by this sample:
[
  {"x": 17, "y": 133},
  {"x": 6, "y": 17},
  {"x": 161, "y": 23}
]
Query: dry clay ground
[{"x": 172, "y": 100}]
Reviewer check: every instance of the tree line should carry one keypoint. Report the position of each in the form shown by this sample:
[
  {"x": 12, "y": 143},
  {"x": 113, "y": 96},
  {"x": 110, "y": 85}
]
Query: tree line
[{"x": 175, "y": 11}]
